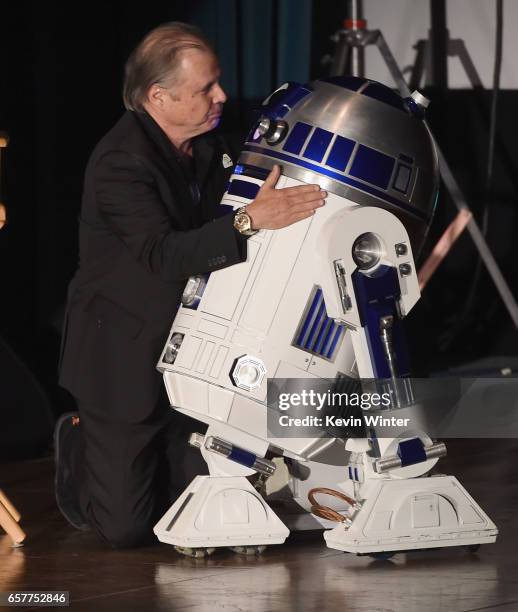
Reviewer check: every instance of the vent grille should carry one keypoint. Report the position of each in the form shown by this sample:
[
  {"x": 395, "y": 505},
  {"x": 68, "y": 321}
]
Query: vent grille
[{"x": 317, "y": 333}]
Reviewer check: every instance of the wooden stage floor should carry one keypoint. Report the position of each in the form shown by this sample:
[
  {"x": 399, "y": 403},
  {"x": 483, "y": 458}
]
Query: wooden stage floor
[{"x": 300, "y": 575}]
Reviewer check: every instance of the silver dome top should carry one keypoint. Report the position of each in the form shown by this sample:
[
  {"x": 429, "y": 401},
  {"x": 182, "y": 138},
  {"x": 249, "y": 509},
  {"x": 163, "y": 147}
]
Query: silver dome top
[{"x": 356, "y": 138}]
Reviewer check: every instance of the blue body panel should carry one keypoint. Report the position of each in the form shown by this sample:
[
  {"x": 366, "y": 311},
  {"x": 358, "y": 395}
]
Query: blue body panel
[
  {"x": 243, "y": 189},
  {"x": 318, "y": 333},
  {"x": 376, "y": 297},
  {"x": 297, "y": 138},
  {"x": 411, "y": 452},
  {"x": 317, "y": 145}
]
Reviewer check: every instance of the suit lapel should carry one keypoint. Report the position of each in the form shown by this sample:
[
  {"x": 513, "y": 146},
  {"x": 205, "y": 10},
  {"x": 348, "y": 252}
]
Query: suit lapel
[
  {"x": 183, "y": 205},
  {"x": 185, "y": 208},
  {"x": 203, "y": 151},
  {"x": 212, "y": 174}
]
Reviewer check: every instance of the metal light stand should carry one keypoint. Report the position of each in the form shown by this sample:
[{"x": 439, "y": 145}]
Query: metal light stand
[
  {"x": 350, "y": 57},
  {"x": 432, "y": 54}
]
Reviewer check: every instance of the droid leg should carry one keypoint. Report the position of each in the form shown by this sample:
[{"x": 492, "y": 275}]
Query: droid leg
[
  {"x": 414, "y": 513},
  {"x": 223, "y": 509},
  {"x": 398, "y": 505}
]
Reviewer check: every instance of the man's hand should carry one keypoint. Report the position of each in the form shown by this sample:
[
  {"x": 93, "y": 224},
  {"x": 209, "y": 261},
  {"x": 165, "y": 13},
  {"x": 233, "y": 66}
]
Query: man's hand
[
  {"x": 3, "y": 216},
  {"x": 276, "y": 208}
]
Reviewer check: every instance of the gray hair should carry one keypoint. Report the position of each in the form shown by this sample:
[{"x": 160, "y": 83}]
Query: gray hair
[{"x": 156, "y": 59}]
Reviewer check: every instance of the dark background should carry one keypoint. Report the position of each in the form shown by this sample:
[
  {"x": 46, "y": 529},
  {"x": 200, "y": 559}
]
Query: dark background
[{"x": 60, "y": 80}]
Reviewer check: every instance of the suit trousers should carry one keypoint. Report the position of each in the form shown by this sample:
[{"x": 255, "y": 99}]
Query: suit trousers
[{"x": 131, "y": 473}]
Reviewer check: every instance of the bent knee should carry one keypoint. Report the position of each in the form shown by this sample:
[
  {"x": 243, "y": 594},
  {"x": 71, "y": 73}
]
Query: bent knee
[{"x": 125, "y": 533}]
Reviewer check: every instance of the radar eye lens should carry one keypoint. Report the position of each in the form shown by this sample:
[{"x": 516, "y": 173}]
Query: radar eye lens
[
  {"x": 273, "y": 130},
  {"x": 264, "y": 126}
]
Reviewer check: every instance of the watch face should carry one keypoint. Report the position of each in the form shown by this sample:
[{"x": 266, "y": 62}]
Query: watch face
[{"x": 242, "y": 222}]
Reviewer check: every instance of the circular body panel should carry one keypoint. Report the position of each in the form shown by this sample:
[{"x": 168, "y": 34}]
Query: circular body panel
[
  {"x": 367, "y": 251},
  {"x": 248, "y": 373}
]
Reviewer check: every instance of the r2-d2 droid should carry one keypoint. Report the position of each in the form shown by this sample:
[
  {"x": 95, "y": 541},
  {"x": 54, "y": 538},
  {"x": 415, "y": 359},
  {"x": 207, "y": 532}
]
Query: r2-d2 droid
[{"x": 321, "y": 299}]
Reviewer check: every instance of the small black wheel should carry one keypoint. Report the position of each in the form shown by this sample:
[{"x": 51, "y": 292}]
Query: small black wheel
[
  {"x": 195, "y": 553},
  {"x": 383, "y": 556},
  {"x": 249, "y": 551},
  {"x": 473, "y": 548}
]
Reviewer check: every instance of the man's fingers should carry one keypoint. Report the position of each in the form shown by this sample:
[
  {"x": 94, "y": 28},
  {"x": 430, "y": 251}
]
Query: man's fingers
[
  {"x": 307, "y": 207},
  {"x": 299, "y": 189},
  {"x": 272, "y": 178},
  {"x": 278, "y": 208},
  {"x": 312, "y": 196}
]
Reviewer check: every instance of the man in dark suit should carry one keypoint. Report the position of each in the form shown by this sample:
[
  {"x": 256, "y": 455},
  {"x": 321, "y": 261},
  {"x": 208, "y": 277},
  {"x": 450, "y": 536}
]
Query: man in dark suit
[{"x": 148, "y": 221}]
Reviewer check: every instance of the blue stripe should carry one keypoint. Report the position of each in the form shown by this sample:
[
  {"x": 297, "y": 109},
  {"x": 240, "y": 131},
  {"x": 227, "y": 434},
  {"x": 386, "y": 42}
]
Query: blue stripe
[
  {"x": 323, "y": 330},
  {"x": 328, "y": 337},
  {"x": 411, "y": 451},
  {"x": 253, "y": 171},
  {"x": 288, "y": 102},
  {"x": 335, "y": 341},
  {"x": 321, "y": 313},
  {"x": 243, "y": 189},
  {"x": 382, "y": 93},
  {"x": 347, "y": 82},
  {"x": 309, "y": 316},
  {"x": 296, "y": 95},
  {"x": 338, "y": 177},
  {"x": 242, "y": 457}
]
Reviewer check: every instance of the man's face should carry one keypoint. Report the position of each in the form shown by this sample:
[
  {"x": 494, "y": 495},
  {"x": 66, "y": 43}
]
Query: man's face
[{"x": 193, "y": 105}]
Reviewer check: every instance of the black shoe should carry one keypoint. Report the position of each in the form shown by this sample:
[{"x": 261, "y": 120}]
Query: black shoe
[{"x": 67, "y": 454}]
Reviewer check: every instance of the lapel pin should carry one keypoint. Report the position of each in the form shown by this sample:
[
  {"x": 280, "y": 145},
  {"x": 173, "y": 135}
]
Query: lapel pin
[{"x": 226, "y": 161}]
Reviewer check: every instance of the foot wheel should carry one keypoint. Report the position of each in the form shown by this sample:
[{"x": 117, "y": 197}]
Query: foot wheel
[
  {"x": 248, "y": 550},
  {"x": 384, "y": 555},
  {"x": 196, "y": 553}
]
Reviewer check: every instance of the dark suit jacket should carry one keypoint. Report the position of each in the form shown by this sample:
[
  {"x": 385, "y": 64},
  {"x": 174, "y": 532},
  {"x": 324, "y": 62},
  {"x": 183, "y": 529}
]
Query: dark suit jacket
[{"x": 141, "y": 235}]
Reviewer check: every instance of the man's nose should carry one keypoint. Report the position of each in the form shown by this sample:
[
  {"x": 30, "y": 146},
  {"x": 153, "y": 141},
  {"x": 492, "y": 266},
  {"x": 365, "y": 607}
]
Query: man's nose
[{"x": 220, "y": 96}]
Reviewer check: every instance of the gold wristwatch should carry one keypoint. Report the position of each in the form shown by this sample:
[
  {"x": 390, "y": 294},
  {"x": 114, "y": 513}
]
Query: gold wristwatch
[{"x": 243, "y": 222}]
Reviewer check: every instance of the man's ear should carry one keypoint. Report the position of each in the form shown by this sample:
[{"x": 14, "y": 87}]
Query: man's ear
[{"x": 155, "y": 96}]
